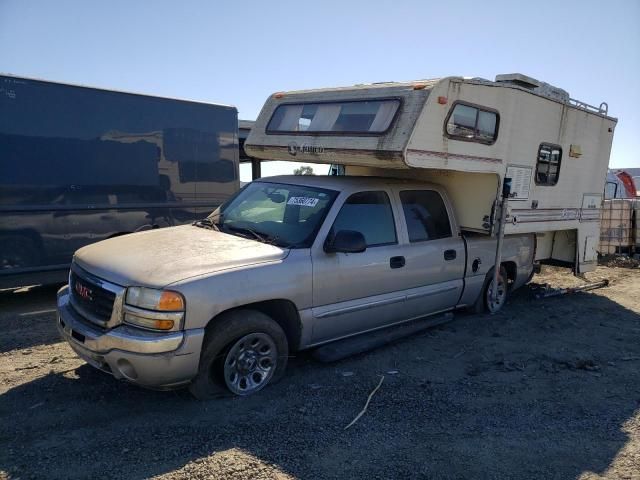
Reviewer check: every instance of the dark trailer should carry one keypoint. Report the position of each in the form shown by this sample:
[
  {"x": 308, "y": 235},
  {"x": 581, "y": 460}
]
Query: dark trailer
[{"x": 79, "y": 165}]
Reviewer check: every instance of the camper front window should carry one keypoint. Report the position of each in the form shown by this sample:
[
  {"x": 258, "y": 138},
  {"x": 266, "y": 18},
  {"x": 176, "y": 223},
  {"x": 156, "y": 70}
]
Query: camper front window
[
  {"x": 358, "y": 117},
  {"x": 473, "y": 124}
]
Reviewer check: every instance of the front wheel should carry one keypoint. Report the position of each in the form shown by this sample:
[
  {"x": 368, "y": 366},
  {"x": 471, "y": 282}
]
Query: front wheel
[
  {"x": 243, "y": 352},
  {"x": 250, "y": 363}
]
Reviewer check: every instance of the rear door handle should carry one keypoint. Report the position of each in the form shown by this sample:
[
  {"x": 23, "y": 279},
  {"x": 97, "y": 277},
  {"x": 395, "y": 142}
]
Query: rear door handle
[
  {"x": 450, "y": 254},
  {"x": 396, "y": 262}
]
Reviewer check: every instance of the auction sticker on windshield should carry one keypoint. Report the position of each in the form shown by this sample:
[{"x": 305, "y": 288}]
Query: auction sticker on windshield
[{"x": 303, "y": 201}]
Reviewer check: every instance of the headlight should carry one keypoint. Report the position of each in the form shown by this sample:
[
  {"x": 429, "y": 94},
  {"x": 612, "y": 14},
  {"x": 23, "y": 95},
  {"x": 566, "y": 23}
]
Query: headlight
[
  {"x": 152, "y": 299},
  {"x": 147, "y": 321},
  {"x": 153, "y": 309}
]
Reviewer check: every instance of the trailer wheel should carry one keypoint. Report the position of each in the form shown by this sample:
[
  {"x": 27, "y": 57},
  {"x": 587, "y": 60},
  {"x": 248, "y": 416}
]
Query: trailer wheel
[
  {"x": 243, "y": 352},
  {"x": 484, "y": 303}
]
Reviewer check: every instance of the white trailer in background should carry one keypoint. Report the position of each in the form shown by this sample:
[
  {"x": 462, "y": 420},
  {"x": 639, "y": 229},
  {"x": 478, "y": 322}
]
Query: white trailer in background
[{"x": 468, "y": 135}]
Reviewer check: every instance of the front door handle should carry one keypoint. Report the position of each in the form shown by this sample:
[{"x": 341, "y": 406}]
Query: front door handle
[
  {"x": 396, "y": 262},
  {"x": 450, "y": 254}
]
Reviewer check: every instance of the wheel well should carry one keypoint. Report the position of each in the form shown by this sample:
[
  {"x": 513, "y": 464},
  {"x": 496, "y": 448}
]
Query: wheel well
[
  {"x": 512, "y": 271},
  {"x": 283, "y": 312}
]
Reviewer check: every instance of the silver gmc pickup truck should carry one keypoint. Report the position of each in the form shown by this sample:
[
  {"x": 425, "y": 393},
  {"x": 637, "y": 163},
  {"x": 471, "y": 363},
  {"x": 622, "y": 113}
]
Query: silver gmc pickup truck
[{"x": 288, "y": 263}]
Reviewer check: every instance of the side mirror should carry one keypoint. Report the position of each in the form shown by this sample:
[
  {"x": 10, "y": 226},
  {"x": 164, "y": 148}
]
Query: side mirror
[{"x": 346, "y": 241}]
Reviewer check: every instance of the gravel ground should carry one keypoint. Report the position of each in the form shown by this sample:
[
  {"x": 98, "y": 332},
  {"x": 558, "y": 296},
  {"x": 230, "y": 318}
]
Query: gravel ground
[{"x": 546, "y": 389}]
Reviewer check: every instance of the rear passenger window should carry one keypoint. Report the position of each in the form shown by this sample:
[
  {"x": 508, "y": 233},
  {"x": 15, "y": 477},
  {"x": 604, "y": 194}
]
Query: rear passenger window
[
  {"x": 370, "y": 214},
  {"x": 425, "y": 214},
  {"x": 548, "y": 164}
]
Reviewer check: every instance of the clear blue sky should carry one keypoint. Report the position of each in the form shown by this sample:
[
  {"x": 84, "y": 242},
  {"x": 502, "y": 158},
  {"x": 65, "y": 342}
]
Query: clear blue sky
[{"x": 239, "y": 52}]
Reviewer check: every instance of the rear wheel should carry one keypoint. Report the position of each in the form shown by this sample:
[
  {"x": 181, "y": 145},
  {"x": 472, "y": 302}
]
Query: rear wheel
[
  {"x": 494, "y": 306},
  {"x": 484, "y": 302},
  {"x": 243, "y": 352}
]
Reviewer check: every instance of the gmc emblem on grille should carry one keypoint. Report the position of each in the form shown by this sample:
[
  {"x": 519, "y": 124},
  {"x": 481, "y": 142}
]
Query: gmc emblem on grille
[{"x": 84, "y": 292}]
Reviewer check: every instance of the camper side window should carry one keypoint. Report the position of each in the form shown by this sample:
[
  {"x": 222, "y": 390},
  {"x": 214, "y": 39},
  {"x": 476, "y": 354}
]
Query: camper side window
[
  {"x": 473, "y": 124},
  {"x": 548, "y": 164}
]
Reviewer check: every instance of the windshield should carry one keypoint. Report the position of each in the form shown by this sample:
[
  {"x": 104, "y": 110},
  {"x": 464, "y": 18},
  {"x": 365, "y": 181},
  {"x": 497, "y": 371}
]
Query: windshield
[{"x": 282, "y": 214}]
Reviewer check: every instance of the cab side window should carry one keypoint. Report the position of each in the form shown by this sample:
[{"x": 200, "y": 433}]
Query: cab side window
[
  {"x": 425, "y": 214},
  {"x": 370, "y": 214}
]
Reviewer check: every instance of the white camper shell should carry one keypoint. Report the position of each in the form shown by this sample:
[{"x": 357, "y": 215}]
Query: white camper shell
[{"x": 466, "y": 134}]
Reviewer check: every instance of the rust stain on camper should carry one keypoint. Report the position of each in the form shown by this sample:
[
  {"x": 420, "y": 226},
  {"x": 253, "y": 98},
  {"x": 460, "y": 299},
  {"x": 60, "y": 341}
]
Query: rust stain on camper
[
  {"x": 453, "y": 156},
  {"x": 563, "y": 123}
]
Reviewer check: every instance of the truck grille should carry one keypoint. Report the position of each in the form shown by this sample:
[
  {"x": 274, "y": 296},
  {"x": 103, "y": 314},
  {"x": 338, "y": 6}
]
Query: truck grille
[{"x": 91, "y": 299}]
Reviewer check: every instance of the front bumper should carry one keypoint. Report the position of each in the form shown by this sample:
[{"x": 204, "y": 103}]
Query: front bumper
[{"x": 154, "y": 360}]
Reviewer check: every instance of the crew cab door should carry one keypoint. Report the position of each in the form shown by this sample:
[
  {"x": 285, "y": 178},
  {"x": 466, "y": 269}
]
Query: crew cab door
[
  {"x": 433, "y": 250},
  {"x": 355, "y": 292}
]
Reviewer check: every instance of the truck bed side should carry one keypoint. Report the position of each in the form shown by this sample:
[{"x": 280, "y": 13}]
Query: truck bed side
[{"x": 517, "y": 258}]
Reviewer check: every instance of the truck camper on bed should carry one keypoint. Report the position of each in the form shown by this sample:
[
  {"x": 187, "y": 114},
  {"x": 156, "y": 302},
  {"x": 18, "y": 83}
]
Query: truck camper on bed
[
  {"x": 468, "y": 135},
  {"x": 453, "y": 190}
]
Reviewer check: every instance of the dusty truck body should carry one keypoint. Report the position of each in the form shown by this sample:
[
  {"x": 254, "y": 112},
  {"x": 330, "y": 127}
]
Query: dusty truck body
[
  {"x": 298, "y": 261},
  {"x": 295, "y": 262}
]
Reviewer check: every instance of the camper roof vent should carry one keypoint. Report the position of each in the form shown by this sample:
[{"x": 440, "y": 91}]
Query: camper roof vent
[
  {"x": 541, "y": 88},
  {"x": 518, "y": 79}
]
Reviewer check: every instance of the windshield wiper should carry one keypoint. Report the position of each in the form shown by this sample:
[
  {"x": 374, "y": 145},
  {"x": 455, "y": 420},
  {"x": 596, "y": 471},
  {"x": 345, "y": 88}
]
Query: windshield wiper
[
  {"x": 206, "y": 223},
  {"x": 245, "y": 230},
  {"x": 260, "y": 236}
]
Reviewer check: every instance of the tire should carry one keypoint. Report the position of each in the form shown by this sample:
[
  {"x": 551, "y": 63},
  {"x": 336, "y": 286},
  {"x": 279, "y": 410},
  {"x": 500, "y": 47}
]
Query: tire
[
  {"x": 18, "y": 251},
  {"x": 483, "y": 303},
  {"x": 243, "y": 352}
]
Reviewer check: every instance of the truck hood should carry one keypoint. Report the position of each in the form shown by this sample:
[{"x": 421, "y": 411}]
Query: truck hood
[{"x": 156, "y": 258}]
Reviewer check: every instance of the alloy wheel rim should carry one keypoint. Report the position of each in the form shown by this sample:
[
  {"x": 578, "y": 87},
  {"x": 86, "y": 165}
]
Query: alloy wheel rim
[
  {"x": 250, "y": 363},
  {"x": 500, "y": 299}
]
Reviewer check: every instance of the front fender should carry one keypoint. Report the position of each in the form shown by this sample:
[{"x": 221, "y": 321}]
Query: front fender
[{"x": 209, "y": 295}]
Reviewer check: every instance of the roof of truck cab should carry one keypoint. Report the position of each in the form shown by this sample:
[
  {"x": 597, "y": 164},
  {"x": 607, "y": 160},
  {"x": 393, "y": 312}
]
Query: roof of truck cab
[{"x": 344, "y": 182}]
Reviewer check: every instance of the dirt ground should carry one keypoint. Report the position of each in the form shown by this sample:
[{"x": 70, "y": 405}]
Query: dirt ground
[{"x": 546, "y": 389}]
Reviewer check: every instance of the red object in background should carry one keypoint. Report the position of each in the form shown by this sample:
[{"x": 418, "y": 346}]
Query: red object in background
[{"x": 627, "y": 181}]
